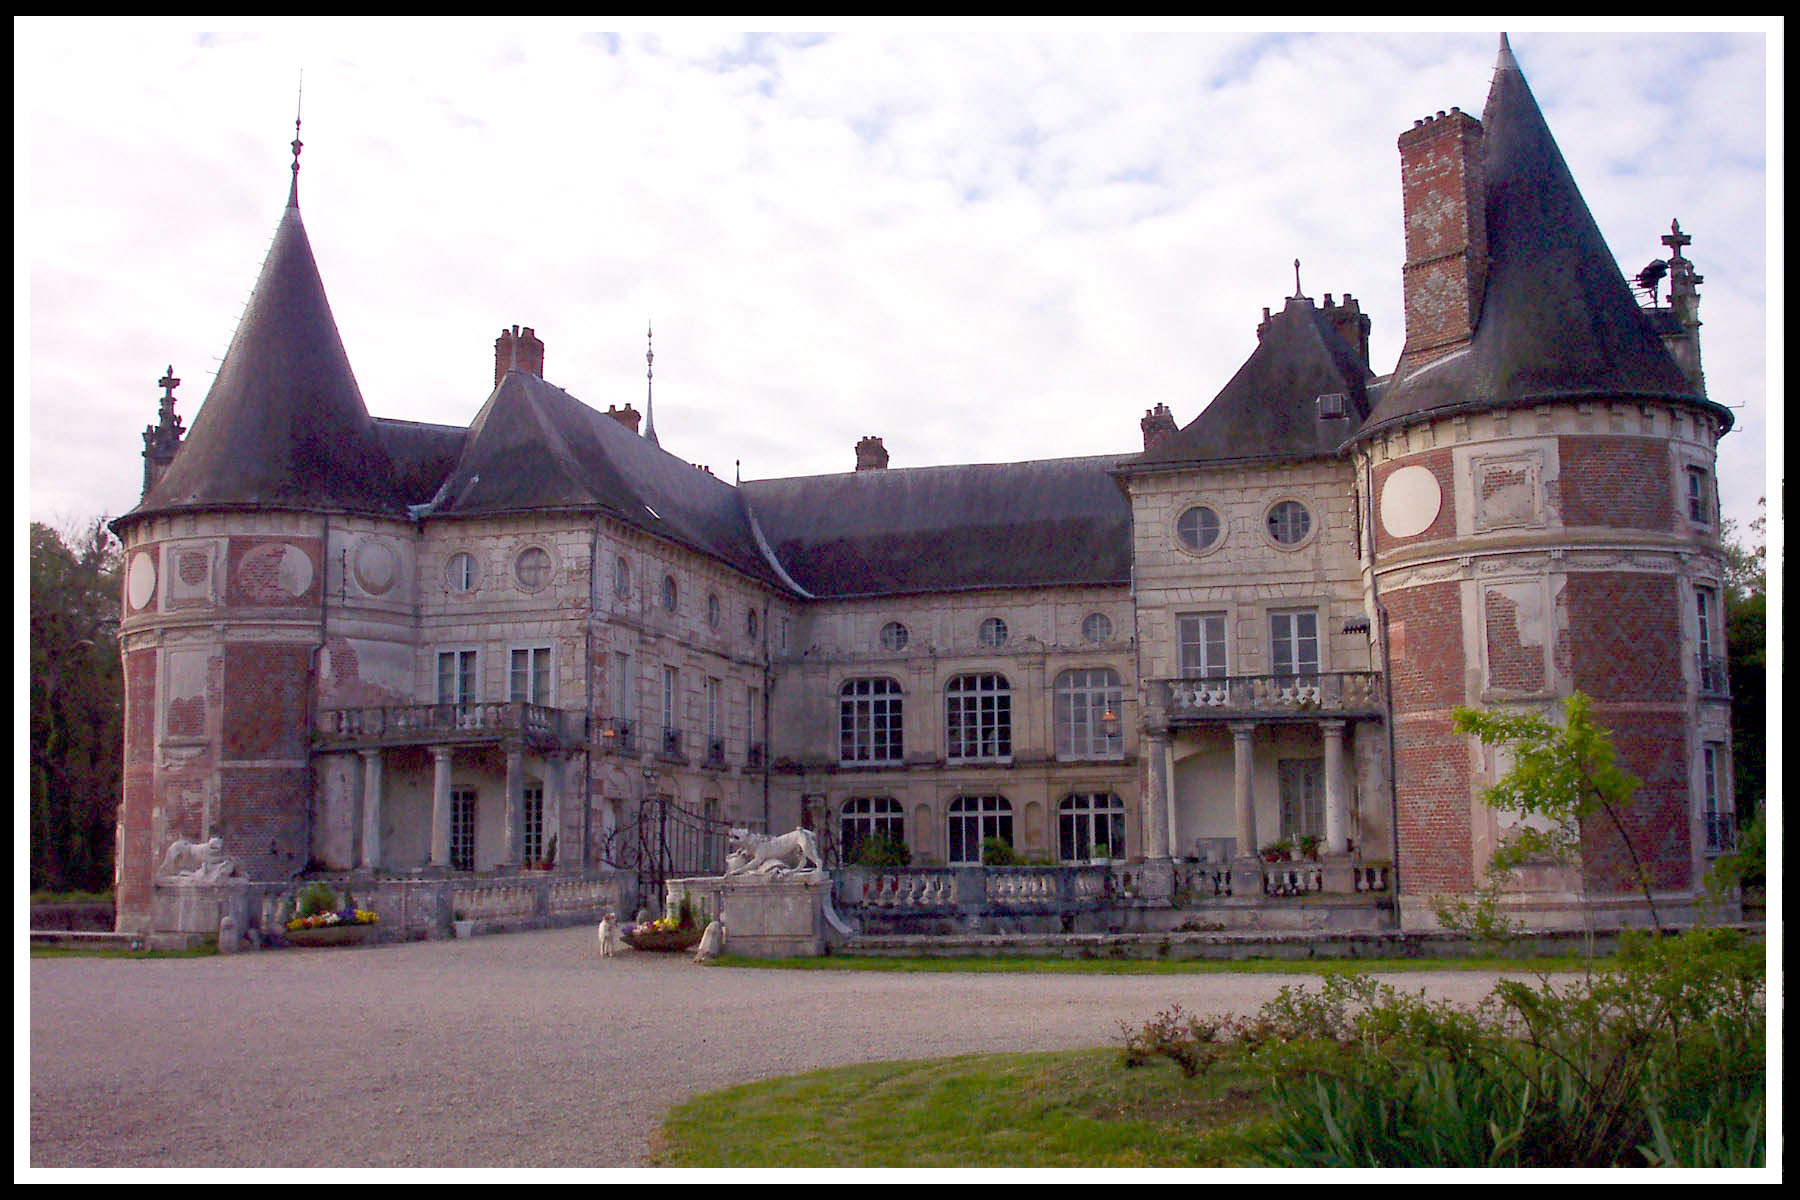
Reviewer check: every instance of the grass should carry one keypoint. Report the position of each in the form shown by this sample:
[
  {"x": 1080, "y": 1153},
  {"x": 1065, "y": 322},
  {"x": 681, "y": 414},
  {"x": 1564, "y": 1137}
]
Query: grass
[
  {"x": 1155, "y": 966},
  {"x": 207, "y": 949},
  {"x": 1051, "y": 1110}
]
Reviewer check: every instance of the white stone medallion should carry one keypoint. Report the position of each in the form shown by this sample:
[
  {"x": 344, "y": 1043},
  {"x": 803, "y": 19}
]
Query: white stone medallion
[
  {"x": 377, "y": 567},
  {"x": 275, "y": 572},
  {"x": 1410, "y": 501},
  {"x": 140, "y": 580}
]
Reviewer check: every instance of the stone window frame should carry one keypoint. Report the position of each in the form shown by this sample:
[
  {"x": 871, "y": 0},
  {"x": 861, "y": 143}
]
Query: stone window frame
[
  {"x": 1296, "y": 640},
  {"x": 474, "y": 573},
  {"x": 1079, "y": 816},
  {"x": 671, "y": 594},
  {"x": 547, "y": 697},
  {"x": 518, "y": 567},
  {"x": 1205, "y": 669},
  {"x": 970, "y": 820},
  {"x": 1211, "y": 504},
  {"x": 894, "y": 636},
  {"x": 1692, "y": 471},
  {"x": 622, "y": 577},
  {"x": 871, "y": 722},
  {"x": 864, "y": 817},
  {"x": 1079, "y": 698},
  {"x": 992, "y": 633},
  {"x": 472, "y": 675},
  {"x": 1305, "y": 539}
]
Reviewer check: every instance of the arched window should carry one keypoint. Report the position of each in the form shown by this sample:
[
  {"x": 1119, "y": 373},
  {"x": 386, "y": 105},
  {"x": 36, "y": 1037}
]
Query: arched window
[
  {"x": 1091, "y": 825},
  {"x": 978, "y": 717},
  {"x": 869, "y": 722},
  {"x": 974, "y": 819},
  {"x": 1089, "y": 723},
  {"x": 866, "y": 817}
]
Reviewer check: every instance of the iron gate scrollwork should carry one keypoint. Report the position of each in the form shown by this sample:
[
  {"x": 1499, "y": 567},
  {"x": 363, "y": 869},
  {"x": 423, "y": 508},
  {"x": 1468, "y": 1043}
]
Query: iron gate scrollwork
[{"x": 674, "y": 842}]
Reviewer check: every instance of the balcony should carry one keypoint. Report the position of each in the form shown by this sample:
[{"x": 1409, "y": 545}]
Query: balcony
[
  {"x": 536, "y": 726},
  {"x": 1265, "y": 697},
  {"x": 1714, "y": 679}
]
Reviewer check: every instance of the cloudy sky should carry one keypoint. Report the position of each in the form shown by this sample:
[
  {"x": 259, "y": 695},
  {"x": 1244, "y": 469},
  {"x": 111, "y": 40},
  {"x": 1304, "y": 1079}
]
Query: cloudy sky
[{"x": 980, "y": 246}]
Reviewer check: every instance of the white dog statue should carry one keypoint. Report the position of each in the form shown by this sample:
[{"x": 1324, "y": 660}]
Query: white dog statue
[
  {"x": 711, "y": 942},
  {"x": 760, "y": 854},
  {"x": 610, "y": 942},
  {"x": 202, "y": 862}
]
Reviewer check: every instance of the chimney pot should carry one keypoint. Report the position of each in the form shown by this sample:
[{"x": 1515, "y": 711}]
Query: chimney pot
[
  {"x": 871, "y": 455},
  {"x": 520, "y": 348}
]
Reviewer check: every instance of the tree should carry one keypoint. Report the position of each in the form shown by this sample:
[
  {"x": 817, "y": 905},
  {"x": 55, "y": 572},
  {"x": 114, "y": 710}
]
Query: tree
[
  {"x": 1567, "y": 777},
  {"x": 77, "y": 708},
  {"x": 1747, "y": 664}
]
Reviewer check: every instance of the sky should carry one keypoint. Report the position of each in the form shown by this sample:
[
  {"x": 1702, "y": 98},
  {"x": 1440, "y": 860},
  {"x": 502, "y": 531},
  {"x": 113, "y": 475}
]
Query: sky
[{"x": 980, "y": 246}]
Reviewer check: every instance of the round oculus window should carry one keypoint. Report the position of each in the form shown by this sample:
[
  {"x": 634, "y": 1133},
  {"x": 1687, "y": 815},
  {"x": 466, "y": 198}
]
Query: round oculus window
[
  {"x": 992, "y": 633},
  {"x": 1199, "y": 528},
  {"x": 532, "y": 568},
  {"x": 1289, "y": 523},
  {"x": 894, "y": 636},
  {"x": 459, "y": 572},
  {"x": 1097, "y": 628}
]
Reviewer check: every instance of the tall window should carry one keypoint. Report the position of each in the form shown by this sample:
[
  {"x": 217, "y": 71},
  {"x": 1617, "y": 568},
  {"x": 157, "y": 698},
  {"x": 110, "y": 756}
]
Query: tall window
[
  {"x": 1721, "y": 824},
  {"x": 1699, "y": 500},
  {"x": 1711, "y": 663},
  {"x": 715, "y": 739},
  {"x": 869, "y": 722},
  {"x": 1091, "y": 825},
  {"x": 529, "y": 678},
  {"x": 670, "y": 702},
  {"x": 1302, "y": 783},
  {"x": 462, "y": 829},
  {"x": 624, "y": 689},
  {"x": 533, "y": 848},
  {"x": 756, "y": 751},
  {"x": 978, "y": 717},
  {"x": 973, "y": 819},
  {"x": 866, "y": 816},
  {"x": 1083, "y": 701},
  {"x": 1202, "y": 645},
  {"x": 456, "y": 677},
  {"x": 1294, "y": 642}
]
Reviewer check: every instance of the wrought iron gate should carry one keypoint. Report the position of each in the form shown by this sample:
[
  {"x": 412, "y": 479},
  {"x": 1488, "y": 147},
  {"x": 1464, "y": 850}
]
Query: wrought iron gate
[{"x": 673, "y": 842}]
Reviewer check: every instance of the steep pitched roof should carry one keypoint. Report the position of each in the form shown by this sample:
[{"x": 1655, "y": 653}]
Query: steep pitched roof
[
  {"x": 284, "y": 425},
  {"x": 1557, "y": 318},
  {"x": 533, "y": 448},
  {"x": 942, "y": 529},
  {"x": 1270, "y": 409}
]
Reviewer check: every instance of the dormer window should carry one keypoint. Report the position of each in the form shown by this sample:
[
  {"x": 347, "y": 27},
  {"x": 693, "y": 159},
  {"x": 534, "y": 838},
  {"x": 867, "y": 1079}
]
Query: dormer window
[{"x": 1334, "y": 404}]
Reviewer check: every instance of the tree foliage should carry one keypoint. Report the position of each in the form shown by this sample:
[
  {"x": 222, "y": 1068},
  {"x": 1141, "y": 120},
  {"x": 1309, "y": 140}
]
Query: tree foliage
[
  {"x": 1562, "y": 776},
  {"x": 77, "y": 708},
  {"x": 1747, "y": 664}
]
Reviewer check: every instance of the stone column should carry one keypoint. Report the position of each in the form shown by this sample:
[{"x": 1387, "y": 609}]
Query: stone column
[
  {"x": 371, "y": 813},
  {"x": 440, "y": 806},
  {"x": 1243, "y": 787},
  {"x": 1157, "y": 786},
  {"x": 1337, "y": 789},
  {"x": 515, "y": 807},
  {"x": 1170, "y": 797}
]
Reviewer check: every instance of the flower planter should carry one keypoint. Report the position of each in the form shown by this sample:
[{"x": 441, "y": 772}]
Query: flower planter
[
  {"x": 674, "y": 939},
  {"x": 330, "y": 935}
]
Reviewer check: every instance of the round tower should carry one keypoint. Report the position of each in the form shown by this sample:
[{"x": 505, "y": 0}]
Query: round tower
[{"x": 1538, "y": 481}]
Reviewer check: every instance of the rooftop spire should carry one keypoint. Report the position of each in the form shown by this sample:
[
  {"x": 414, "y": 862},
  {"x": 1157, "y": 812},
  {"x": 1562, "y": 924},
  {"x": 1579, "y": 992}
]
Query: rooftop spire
[
  {"x": 649, "y": 384},
  {"x": 1506, "y": 61},
  {"x": 297, "y": 144}
]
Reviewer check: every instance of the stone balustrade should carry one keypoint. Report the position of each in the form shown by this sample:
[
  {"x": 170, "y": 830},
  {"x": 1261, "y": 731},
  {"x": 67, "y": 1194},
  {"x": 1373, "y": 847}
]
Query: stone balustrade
[
  {"x": 412, "y": 724},
  {"x": 1331, "y": 693}
]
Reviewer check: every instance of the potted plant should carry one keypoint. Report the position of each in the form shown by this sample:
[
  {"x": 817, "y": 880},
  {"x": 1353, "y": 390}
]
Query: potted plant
[
  {"x": 1277, "y": 851},
  {"x": 465, "y": 928},
  {"x": 681, "y": 931},
  {"x": 319, "y": 920},
  {"x": 1309, "y": 846},
  {"x": 1102, "y": 853}
]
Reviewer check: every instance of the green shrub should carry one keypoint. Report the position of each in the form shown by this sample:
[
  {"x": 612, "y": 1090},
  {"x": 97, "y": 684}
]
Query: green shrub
[
  {"x": 315, "y": 898},
  {"x": 998, "y": 852},
  {"x": 880, "y": 850}
]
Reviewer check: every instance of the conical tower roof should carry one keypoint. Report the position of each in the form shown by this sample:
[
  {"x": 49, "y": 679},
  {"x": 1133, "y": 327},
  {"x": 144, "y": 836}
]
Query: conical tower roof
[
  {"x": 1557, "y": 318},
  {"x": 284, "y": 425}
]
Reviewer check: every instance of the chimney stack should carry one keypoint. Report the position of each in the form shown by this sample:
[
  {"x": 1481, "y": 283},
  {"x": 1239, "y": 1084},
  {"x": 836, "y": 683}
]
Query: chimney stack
[
  {"x": 1348, "y": 322},
  {"x": 871, "y": 455},
  {"x": 1443, "y": 197},
  {"x": 627, "y": 416},
  {"x": 525, "y": 346},
  {"x": 1159, "y": 423}
]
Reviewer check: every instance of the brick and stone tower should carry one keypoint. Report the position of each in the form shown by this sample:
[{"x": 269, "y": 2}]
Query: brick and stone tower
[
  {"x": 1526, "y": 476},
  {"x": 277, "y": 514}
]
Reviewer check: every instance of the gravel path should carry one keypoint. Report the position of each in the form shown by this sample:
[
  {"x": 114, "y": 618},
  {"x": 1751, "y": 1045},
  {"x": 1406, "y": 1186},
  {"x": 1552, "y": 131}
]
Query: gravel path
[{"x": 524, "y": 1050}]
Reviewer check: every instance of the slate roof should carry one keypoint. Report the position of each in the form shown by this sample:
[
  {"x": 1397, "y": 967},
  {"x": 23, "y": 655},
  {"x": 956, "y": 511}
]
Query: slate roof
[
  {"x": 1270, "y": 408},
  {"x": 284, "y": 425},
  {"x": 1557, "y": 318},
  {"x": 956, "y": 528},
  {"x": 535, "y": 448}
]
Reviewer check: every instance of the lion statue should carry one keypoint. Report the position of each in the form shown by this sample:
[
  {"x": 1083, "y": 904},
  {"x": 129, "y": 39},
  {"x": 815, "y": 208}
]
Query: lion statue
[
  {"x": 200, "y": 862},
  {"x": 761, "y": 854}
]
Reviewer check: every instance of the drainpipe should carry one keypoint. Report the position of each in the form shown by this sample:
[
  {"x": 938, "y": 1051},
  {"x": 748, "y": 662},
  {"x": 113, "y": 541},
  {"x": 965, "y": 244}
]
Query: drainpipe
[
  {"x": 587, "y": 711},
  {"x": 314, "y": 680},
  {"x": 768, "y": 702}
]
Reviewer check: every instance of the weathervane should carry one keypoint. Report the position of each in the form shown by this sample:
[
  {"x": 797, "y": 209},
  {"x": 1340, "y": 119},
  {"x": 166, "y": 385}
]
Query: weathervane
[
  {"x": 296, "y": 144},
  {"x": 650, "y": 383}
]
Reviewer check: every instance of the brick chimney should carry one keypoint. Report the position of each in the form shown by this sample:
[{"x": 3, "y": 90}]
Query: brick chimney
[
  {"x": 1443, "y": 198},
  {"x": 871, "y": 455},
  {"x": 522, "y": 342},
  {"x": 1348, "y": 322},
  {"x": 1158, "y": 425},
  {"x": 627, "y": 416}
]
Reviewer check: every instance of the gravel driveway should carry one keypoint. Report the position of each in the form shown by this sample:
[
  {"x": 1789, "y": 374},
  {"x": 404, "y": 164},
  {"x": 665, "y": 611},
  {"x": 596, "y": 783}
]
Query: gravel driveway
[{"x": 523, "y": 1050}]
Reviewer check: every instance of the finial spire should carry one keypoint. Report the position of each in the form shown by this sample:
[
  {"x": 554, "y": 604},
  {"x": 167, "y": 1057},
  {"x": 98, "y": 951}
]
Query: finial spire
[
  {"x": 649, "y": 384},
  {"x": 1298, "y": 294},
  {"x": 1506, "y": 61},
  {"x": 297, "y": 144},
  {"x": 1675, "y": 240}
]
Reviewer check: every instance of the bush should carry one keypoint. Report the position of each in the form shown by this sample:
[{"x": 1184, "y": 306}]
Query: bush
[
  {"x": 880, "y": 850},
  {"x": 998, "y": 852},
  {"x": 315, "y": 898}
]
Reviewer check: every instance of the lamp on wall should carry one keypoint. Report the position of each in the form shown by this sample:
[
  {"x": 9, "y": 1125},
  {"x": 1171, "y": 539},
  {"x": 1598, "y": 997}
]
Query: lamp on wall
[{"x": 1109, "y": 723}]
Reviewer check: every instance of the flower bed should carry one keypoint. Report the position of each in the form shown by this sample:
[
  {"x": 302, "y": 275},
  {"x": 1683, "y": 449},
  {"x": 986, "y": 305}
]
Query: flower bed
[
  {"x": 647, "y": 938},
  {"x": 330, "y": 935}
]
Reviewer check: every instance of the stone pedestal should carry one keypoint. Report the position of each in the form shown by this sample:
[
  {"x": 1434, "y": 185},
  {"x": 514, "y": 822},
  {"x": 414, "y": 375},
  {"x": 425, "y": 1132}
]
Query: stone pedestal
[
  {"x": 186, "y": 910},
  {"x": 765, "y": 916},
  {"x": 1338, "y": 873},
  {"x": 1246, "y": 877}
]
